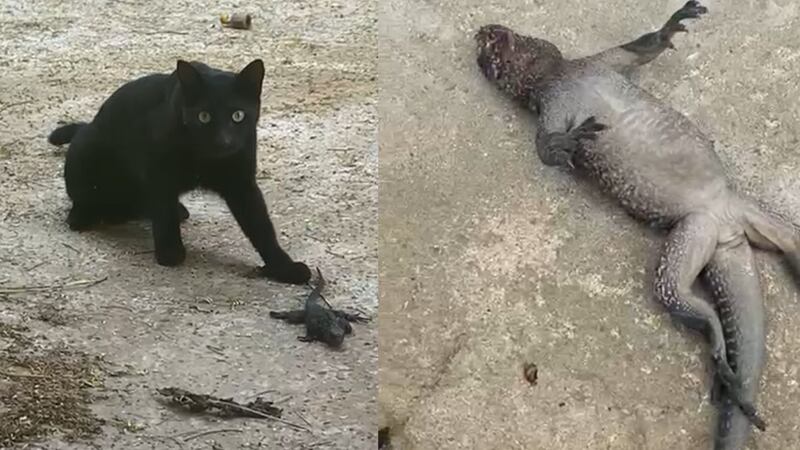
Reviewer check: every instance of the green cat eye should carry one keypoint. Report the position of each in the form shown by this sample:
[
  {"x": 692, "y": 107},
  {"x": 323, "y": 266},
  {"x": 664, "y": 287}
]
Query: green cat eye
[
  {"x": 204, "y": 117},
  {"x": 238, "y": 116}
]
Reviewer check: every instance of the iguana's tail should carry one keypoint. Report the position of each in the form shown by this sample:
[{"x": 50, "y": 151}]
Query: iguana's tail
[
  {"x": 732, "y": 279},
  {"x": 769, "y": 230},
  {"x": 65, "y": 133}
]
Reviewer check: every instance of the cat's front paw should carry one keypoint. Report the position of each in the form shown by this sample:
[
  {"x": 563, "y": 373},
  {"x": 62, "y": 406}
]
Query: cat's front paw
[
  {"x": 292, "y": 273},
  {"x": 171, "y": 256}
]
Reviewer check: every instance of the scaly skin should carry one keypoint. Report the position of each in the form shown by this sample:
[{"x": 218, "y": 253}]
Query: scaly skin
[
  {"x": 322, "y": 323},
  {"x": 663, "y": 170},
  {"x": 732, "y": 278}
]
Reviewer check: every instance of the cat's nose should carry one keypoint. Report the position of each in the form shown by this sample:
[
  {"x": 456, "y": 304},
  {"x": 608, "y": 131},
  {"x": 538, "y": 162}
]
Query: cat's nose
[{"x": 224, "y": 140}]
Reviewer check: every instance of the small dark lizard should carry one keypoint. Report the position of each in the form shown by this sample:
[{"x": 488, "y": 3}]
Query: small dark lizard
[{"x": 323, "y": 323}]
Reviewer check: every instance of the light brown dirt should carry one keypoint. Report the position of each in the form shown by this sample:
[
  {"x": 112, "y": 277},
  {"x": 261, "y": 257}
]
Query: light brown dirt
[
  {"x": 490, "y": 260},
  {"x": 202, "y": 326}
]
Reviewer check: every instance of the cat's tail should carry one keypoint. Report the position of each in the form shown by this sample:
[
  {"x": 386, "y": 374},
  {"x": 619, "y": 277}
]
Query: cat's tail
[{"x": 64, "y": 133}]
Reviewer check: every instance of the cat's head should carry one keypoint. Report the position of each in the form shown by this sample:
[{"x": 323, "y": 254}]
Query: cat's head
[{"x": 220, "y": 109}]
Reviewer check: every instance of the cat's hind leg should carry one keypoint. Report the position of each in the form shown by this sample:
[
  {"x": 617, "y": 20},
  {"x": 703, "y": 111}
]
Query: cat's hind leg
[
  {"x": 82, "y": 175},
  {"x": 126, "y": 206},
  {"x": 183, "y": 213},
  {"x": 101, "y": 187}
]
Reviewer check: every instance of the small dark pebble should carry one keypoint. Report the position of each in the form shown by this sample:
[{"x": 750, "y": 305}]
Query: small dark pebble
[
  {"x": 531, "y": 373},
  {"x": 384, "y": 442}
]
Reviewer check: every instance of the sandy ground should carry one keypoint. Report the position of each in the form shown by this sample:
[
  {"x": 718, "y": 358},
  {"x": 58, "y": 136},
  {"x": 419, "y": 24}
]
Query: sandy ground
[
  {"x": 490, "y": 260},
  {"x": 202, "y": 326}
]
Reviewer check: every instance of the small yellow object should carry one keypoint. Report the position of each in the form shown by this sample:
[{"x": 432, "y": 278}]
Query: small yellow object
[{"x": 240, "y": 21}]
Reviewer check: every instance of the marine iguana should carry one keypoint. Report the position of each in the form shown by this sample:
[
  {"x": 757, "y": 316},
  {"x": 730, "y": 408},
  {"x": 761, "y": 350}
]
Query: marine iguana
[
  {"x": 664, "y": 171},
  {"x": 323, "y": 323}
]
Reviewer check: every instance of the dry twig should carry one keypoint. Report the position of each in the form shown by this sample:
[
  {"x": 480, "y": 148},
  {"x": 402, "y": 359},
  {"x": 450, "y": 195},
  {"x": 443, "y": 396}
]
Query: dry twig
[
  {"x": 225, "y": 407},
  {"x": 52, "y": 287},
  {"x": 207, "y": 432},
  {"x": 11, "y": 105}
]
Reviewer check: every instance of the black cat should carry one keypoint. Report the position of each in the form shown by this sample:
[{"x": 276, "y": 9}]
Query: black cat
[{"x": 162, "y": 135}]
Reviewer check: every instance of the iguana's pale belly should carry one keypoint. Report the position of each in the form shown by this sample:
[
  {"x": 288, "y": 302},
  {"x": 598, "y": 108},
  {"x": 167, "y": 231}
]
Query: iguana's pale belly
[{"x": 651, "y": 158}]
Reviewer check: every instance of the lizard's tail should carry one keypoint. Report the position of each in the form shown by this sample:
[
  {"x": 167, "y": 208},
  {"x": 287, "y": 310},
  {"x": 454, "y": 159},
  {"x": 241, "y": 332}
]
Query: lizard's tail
[
  {"x": 733, "y": 281},
  {"x": 768, "y": 230},
  {"x": 733, "y": 428},
  {"x": 65, "y": 133}
]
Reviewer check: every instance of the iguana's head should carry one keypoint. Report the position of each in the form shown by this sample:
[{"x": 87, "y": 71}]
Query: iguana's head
[
  {"x": 334, "y": 335},
  {"x": 515, "y": 63}
]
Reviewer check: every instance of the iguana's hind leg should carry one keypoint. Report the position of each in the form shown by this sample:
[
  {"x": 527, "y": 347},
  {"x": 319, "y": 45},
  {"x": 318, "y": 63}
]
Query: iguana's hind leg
[
  {"x": 648, "y": 46},
  {"x": 296, "y": 316},
  {"x": 688, "y": 249},
  {"x": 769, "y": 231}
]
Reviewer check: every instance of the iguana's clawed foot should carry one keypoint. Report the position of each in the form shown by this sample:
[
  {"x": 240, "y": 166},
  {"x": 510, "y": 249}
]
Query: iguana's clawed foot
[
  {"x": 691, "y": 10},
  {"x": 733, "y": 388},
  {"x": 588, "y": 129},
  {"x": 558, "y": 149}
]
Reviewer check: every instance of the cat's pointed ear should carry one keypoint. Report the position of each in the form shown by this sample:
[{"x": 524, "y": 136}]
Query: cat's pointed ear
[
  {"x": 251, "y": 78},
  {"x": 189, "y": 78}
]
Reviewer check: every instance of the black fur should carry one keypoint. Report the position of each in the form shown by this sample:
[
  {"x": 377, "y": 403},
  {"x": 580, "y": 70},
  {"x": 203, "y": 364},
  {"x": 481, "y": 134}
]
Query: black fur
[
  {"x": 64, "y": 134},
  {"x": 149, "y": 144}
]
